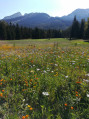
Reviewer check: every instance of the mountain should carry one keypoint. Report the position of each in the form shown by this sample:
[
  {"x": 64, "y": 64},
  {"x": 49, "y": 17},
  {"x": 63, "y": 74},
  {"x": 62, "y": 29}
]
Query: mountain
[
  {"x": 40, "y": 20},
  {"x": 18, "y": 14},
  {"x": 79, "y": 13},
  {"x": 44, "y": 21}
]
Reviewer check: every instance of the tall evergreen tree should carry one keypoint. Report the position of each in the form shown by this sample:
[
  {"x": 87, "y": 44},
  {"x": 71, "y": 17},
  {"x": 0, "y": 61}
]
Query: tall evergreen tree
[
  {"x": 3, "y": 33},
  {"x": 87, "y": 30},
  {"x": 17, "y": 31},
  {"x": 49, "y": 34},
  {"x": 9, "y": 37},
  {"x": 82, "y": 27},
  {"x": 75, "y": 28}
]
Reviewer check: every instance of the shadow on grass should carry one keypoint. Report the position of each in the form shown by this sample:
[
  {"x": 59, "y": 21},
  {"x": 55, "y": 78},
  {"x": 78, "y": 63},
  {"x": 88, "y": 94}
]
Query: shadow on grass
[{"x": 86, "y": 41}]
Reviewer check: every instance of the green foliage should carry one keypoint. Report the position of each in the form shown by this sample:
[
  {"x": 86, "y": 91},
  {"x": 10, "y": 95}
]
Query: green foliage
[
  {"x": 78, "y": 30},
  {"x": 75, "y": 29},
  {"x": 3, "y": 34},
  {"x": 12, "y": 32}
]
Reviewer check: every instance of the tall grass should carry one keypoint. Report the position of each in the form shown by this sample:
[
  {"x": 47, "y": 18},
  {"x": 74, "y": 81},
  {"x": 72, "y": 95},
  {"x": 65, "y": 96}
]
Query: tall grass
[{"x": 46, "y": 79}]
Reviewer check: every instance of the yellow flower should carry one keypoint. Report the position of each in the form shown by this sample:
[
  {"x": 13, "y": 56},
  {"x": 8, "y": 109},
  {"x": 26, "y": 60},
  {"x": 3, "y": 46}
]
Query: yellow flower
[
  {"x": 29, "y": 106},
  {"x": 34, "y": 86}
]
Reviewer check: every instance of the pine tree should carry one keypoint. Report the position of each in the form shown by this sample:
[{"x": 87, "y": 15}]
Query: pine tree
[
  {"x": 17, "y": 31},
  {"x": 9, "y": 37},
  {"x": 82, "y": 26},
  {"x": 3, "y": 33},
  {"x": 87, "y": 30},
  {"x": 75, "y": 28}
]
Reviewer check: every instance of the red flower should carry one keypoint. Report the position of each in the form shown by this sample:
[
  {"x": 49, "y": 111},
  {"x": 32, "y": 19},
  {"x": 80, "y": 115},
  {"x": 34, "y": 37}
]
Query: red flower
[
  {"x": 78, "y": 82},
  {"x": 65, "y": 104}
]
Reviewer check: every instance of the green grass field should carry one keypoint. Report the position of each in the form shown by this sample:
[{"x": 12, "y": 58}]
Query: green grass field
[{"x": 44, "y": 79}]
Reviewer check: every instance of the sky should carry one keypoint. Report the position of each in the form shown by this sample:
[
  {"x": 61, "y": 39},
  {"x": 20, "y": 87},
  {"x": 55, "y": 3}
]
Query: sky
[{"x": 51, "y": 7}]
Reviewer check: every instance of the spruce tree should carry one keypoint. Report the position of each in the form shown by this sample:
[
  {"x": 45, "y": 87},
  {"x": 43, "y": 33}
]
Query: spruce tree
[
  {"x": 17, "y": 31},
  {"x": 3, "y": 33},
  {"x": 82, "y": 26},
  {"x": 87, "y": 30},
  {"x": 75, "y": 28}
]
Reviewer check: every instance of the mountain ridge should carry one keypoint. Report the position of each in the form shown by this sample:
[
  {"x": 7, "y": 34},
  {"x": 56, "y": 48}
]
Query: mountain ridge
[
  {"x": 18, "y": 14},
  {"x": 45, "y": 21},
  {"x": 40, "y": 20},
  {"x": 77, "y": 13}
]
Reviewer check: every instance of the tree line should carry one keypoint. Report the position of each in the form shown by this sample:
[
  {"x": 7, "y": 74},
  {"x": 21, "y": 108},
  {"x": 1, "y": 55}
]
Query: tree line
[
  {"x": 12, "y": 32},
  {"x": 78, "y": 30}
]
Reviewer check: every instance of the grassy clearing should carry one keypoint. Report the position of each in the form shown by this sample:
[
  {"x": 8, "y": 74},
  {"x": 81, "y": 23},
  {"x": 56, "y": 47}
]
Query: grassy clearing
[
  {"x": 46, "y": 79},
  {"x": 35, "y": 41}
]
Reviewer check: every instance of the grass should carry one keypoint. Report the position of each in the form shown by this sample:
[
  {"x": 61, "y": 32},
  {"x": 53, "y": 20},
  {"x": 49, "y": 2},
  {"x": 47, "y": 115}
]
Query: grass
[{"x": 44, "y": 79}]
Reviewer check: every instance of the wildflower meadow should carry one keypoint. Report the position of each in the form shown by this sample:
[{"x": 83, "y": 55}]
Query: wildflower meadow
[{"x": 44, "y": 79}]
